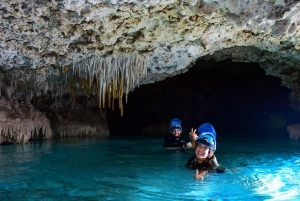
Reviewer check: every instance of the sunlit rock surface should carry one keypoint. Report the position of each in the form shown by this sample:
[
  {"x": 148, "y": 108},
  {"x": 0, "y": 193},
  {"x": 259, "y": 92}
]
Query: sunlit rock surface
[{"x": 108, "y": 47}]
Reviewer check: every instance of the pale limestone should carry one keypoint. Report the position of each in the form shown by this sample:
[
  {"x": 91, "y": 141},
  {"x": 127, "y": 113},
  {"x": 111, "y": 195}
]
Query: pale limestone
[{"x": 47, "y": 37}]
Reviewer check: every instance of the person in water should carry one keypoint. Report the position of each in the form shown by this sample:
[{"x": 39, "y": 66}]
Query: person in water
[
  {"x": 204, "y": 159},
  {"x": 174, "y": 138}
]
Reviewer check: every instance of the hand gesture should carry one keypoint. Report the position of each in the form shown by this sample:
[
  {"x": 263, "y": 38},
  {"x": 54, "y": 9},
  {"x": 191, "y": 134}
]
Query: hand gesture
[
  {"x": 200, "y": 175},
  {"x": 193, "y": 137},
  {"x": 193, "y": 134}
]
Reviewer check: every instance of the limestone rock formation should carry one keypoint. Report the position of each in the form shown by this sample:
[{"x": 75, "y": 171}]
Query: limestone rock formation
[
  {"x": 83, "y": 118},
  {"x": 21, "y": 122},
  {"x": 107, "y": 48}
]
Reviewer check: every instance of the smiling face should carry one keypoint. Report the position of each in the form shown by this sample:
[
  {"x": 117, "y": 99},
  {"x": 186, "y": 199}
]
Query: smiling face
[
  {"x": 201, "y": 151},
  {"x": 176, "y": 132}
]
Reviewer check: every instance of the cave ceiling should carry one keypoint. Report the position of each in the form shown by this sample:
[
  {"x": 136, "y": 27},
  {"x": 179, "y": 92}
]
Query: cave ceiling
[{"x": 109, "y": 47}]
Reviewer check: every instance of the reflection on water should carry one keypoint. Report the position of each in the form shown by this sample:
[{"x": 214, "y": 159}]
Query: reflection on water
[
  {"x": 141, "y": 169},
  {"x": 280, "y": 181}
]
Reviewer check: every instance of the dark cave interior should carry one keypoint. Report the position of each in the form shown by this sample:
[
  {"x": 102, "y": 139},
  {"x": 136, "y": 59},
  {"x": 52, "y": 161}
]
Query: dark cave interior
[{"x": 232, "y": 96}]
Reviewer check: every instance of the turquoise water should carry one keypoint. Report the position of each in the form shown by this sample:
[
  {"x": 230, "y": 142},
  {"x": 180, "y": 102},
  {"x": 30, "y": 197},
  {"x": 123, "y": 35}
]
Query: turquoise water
[{"x": 136, "y": 168}]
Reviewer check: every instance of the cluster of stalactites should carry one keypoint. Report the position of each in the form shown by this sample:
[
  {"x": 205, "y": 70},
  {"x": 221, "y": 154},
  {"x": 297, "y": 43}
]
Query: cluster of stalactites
[
  {"x": 26, "y": 82},
  {"x": 20, "y": 122},
  {"x": 35, "y": 82},
  {"x": 42, "y": 127},
  {"x": 74, "y": 130},
  {"x": 16, "y": 130},
  {"x": 20, "y": 130},
  {"x": 109, "y": 77}
]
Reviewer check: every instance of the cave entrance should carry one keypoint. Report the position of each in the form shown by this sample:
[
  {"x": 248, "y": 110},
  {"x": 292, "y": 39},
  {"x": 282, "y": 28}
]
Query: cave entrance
[{"x": 232, "y": 96}]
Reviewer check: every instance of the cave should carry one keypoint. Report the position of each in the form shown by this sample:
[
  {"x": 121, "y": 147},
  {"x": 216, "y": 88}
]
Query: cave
[
  {"x": 104, "y": 67},
  {"x": 88, "y": 89},
  {"x": 233, "y": 96}
]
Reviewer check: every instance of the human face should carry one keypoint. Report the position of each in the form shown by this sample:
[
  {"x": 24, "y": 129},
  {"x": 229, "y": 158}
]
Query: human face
[
  {"x": 201, "y": 151},
  {"x": 176, "y": 132}
]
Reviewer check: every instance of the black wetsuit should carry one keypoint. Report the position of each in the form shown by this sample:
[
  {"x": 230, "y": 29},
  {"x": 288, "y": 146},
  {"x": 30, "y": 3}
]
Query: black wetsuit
[
  {"x": 172, "y": 141},
  {"x": 210, "y": 165}
]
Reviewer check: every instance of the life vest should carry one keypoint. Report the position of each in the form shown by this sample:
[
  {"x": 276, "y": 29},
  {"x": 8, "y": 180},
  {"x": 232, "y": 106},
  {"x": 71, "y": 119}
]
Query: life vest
[
  {"x": 208, "y": 164},
  {"x": 173, "y": 141}
]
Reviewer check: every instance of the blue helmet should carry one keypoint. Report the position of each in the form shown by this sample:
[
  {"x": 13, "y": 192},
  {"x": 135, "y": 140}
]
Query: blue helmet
[
  {"x": 207, "y": 136},
  {"x": 175, "y": 124}
]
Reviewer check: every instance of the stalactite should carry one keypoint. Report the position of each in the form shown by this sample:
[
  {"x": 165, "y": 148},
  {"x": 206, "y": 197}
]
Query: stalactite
[
  {"x": 114, "y": 93},
  {"x": 73, "y": 130},
  {"x": 110, "y": 76},
  {"x": 19, "y": 122},
  {"x": 41, "y": 123},
  {"x": 16, "y": 131}
]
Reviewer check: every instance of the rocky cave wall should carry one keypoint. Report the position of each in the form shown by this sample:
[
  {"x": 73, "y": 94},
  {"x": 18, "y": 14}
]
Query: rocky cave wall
[{"x": 100, "y": 50}]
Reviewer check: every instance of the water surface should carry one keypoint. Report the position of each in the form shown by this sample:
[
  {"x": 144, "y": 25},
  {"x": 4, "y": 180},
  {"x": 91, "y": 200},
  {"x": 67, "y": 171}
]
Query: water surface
[{"x": 139, "y": 168}]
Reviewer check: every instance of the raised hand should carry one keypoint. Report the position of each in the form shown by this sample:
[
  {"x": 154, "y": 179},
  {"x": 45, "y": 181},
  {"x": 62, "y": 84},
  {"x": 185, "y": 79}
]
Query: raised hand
[
  {"x": 193, "y": 137},
  {"x": 193, "y": 134},
  {"x": 200, "y": 175}
]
